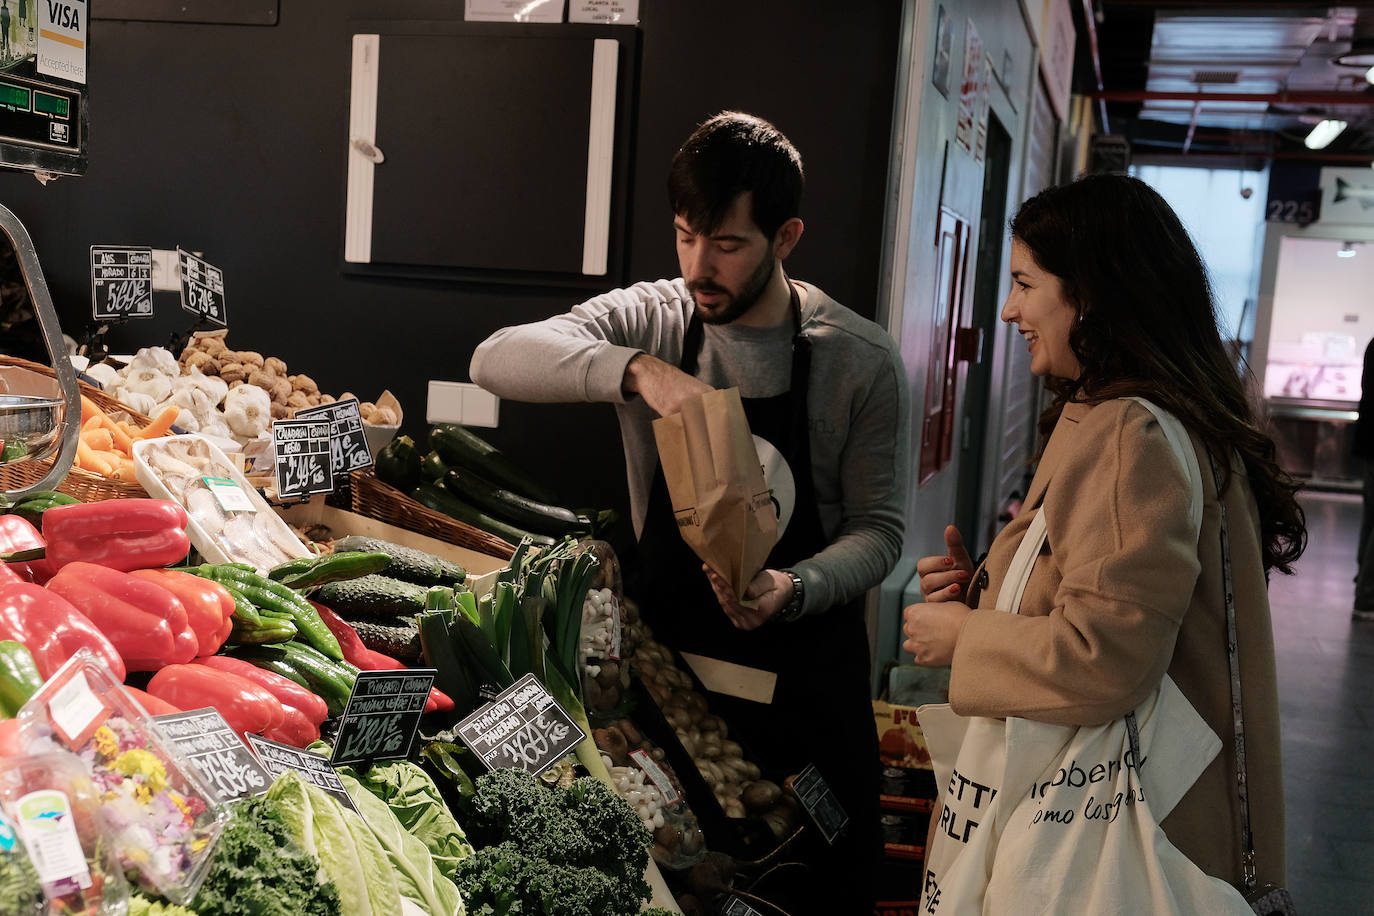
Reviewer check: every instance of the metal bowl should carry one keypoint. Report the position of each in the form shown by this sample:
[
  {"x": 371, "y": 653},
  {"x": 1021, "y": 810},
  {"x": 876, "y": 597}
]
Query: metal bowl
[{"x": 30, "y": 426}]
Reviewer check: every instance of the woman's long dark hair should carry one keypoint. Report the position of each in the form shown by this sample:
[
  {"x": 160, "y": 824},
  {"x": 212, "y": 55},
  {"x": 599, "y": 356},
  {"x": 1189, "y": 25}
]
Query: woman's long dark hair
[{"x": 1147, "y": 327}]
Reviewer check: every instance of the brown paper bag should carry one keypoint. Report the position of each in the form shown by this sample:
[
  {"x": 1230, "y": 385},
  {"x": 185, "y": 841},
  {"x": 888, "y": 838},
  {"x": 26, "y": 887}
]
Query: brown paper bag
[{"x": 722, "y": 506}]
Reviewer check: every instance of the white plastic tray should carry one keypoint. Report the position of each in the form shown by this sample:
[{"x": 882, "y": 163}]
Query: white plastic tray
[{"x": 219, "y": 547}]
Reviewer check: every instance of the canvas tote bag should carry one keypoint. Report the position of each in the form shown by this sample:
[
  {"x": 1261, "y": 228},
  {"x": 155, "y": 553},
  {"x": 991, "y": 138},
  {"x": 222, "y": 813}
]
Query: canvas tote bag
[{"x": 1040, "y": 818}]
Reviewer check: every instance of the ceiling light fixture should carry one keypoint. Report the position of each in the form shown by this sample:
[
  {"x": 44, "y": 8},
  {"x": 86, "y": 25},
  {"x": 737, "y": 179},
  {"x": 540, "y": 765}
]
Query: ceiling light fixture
[
  {"x": 1325, "y": 131},
  {"x": 1369, "y": 75},
  {"x": 1347, "y": 250}
]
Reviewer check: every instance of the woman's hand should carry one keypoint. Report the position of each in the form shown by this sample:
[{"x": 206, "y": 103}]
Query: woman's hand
[
  {"x": 945, "y": 578},
  {"x": 932, "y": 628}
]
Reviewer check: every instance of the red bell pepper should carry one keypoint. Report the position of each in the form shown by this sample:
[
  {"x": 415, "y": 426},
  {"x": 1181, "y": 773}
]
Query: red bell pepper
[
  {"x": 203, "y": 600},
  {"x": 146, "y": 623},
  {"x": 296, "y": 729},
  {"x": 16, "y": 534},
  {"x": 248, "y": 708},
  {"x": 123, "y": 534},
  {"x": 9, "y": 738},
  {"x": 349, "y": 640},
  {"x": 52, "y": 628},
  {"x": 376, "y": 661},
  {"x": 151, "y": 704},
  {"x": 287, "y": 691}
]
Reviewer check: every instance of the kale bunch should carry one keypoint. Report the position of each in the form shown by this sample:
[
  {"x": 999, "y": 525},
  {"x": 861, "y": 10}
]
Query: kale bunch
[
  {"x": 579, "y": 851},
  {"x": 259, "y": 871}
]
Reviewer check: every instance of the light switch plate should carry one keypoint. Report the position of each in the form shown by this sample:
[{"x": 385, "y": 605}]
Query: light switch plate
[{"x": 461, "y": 402}]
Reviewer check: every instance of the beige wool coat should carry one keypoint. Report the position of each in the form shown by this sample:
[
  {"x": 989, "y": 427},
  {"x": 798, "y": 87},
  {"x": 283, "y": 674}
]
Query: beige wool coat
[{"x": 1123, "y": 593}]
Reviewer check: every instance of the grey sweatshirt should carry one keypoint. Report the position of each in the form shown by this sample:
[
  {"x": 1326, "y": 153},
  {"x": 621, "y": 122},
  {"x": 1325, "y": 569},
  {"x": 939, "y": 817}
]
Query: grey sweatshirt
[{"x": 857, "y": 398}]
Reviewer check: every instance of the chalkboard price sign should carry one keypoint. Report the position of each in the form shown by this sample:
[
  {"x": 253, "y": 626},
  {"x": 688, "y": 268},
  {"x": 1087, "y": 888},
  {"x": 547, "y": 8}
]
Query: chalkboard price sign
[
  {"x": 522, "y": 728},
  {"x": 220, "y": 757},
  {"x": 737, "y": 907},
  {"x": 277, "y": 758},
  {"x": 202, "y": 288},
  {"x": 382, "y": 716},
  {"x": 348, "y": 441},
  {"x": 303, "y": 461},
  {"x": 820, "y": 803},
  {"x": 121, "y": 282}
]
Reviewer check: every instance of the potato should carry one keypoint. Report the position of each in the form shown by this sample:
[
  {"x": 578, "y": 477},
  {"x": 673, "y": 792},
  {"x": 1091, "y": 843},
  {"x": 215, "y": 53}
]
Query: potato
[
  {"x": 251, "y": 358},
  {"x": 761, "y": 795},
  {"x": 275, "y": 366},
  {"x": 233, "y": 372},
  {"x": 262, "y": 378}
]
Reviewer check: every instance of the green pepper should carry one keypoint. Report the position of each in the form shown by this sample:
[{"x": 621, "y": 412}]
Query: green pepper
[
  {"x": 271, "y": 630},
  {"x": 19, "y": 677},
  {"x": 13, "y": 450},
  {"x": 33, "y": 505},
  {"x": 275, "y": 599},
  {"x": 309, "y": 572},
  {"x": 398, "y": 464}
]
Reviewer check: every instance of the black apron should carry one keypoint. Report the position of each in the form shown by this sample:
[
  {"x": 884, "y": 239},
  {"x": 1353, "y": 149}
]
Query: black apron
[{"x": 821, "y": 711}]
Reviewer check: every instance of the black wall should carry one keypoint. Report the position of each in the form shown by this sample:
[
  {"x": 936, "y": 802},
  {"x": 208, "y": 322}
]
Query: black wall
[{"x": 231, "y": 140}]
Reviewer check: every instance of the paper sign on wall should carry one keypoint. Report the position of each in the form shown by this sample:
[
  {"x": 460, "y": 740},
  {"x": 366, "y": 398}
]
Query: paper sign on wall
[
  {"x": 513, "y": 10},
  {"x": 605, "y": 12},
  {"x": 62, "y": 39}
]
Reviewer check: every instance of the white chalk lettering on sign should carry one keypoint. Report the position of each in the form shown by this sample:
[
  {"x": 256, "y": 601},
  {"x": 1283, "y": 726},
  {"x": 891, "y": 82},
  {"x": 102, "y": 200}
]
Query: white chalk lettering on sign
[{"x": 374, "y": 736}]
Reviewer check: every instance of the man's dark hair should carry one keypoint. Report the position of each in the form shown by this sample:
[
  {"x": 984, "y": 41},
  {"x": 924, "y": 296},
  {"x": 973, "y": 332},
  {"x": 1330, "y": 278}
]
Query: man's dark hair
[{"x": 729, "y": 154}]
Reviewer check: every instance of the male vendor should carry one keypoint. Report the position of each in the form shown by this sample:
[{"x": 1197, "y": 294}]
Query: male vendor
[{"x": 826, "y": 388}]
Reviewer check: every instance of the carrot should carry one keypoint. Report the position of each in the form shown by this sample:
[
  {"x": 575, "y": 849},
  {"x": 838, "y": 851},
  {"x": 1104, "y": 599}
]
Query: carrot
[
  {"x": 123, "y": 442},
  {"x": 87, "y": 459},
  {"x": 92, "y": 423},
  {"x": 89, "y": 409},
  {"x": 160, "y": 424},
  {"x": 100, "y": 440},
  {"x": 125, "y": 470}
]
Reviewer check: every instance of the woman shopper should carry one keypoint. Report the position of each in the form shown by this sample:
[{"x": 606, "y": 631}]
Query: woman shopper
[{"x": 1114, "y": 304}]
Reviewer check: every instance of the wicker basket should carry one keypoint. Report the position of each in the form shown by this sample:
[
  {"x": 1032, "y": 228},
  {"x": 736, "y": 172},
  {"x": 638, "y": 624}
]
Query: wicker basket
[
  {"x": 82, "y": 484},
  {"x": 375, "y": 499}
]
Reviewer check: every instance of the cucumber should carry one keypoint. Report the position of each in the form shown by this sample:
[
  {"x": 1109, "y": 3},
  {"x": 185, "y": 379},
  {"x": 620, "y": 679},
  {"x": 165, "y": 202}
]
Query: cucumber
[
  {"x": 460, "y": 447},
  {"x": 397, "y": 637},
  {"x": 441, "y": 500},
  {"x": 432, "y": 467},
  {"x": 373, "y": 596},
  {"x": 407, "y": 563},
  {"x": 511, "y": 507}
]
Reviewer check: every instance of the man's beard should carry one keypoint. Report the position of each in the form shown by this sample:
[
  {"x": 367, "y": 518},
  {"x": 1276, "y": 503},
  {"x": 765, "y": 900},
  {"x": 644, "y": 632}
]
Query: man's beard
[{"x": 736, "y": 304}]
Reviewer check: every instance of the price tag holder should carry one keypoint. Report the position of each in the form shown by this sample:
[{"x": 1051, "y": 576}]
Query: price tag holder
[
  {"x": 303, "y": 457},
  {"x": 229, "y": 495},
  {"x": 202, "y": 288},
  {"x": 820, "y": 803},
  {"x": 348, "y": 441},
  {"x": 737, "y": 907},
  {"x": 277, "y": 758},
  {"x": 219, "y": 755},
  {"x": 121, "y": 282},
  {"x": 382, "y": 716},
  {"x": 654, "y": 773},
  {"x": 523, "y": 727}
]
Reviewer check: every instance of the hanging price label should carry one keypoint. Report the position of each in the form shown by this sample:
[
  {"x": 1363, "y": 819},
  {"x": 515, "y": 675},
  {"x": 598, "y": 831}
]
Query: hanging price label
[
  {"x": 347, "y": 440},
  {"x": 737, "y": 907},
  {"x": 277, "y": 758},
  {"x": 820, "y": 803},
  {"x": 121, "y": 282},
  {"x": 219, "y": 755},
  {"x": 302, "y": 457},
  {"x": 382, "y": 716},
  {"x": 522, "y": 728},
  {"x": 202, "y": 288}
]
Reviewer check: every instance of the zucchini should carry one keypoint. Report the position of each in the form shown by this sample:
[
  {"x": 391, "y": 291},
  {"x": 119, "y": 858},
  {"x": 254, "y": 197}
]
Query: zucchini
[
  {"x": 441, "y": 500},
  {"x": 432, "y": 467},
  {"x": 407, "y": 563},
  {"x": 460, "y": 447},
  {"x": 511, "y": 507},
  {"x": 309, "y": 572},
  {"x": 398, "y": 464},
  {"x": 373, "y": 596}
]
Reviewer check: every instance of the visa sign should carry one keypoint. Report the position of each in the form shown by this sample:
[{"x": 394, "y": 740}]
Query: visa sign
[{"x": 62, "y": 39}]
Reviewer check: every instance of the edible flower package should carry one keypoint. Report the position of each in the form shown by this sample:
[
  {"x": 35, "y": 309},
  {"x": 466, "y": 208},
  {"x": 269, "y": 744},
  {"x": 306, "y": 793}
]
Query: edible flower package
[{"x": 156, "y": 813}]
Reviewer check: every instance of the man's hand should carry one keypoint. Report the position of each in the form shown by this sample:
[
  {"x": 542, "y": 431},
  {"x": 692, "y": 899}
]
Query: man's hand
[
  {"x": 663, "y": 387},
  {"x": 770, "y": 589}
]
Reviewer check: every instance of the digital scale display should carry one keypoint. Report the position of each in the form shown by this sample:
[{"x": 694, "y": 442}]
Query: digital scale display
[{"x": 38, "y": 115}]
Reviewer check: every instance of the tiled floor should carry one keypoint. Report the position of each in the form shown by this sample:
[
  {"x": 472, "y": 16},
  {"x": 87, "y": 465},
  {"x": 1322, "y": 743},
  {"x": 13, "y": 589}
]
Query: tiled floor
[{"x": 1326, "y": 696}]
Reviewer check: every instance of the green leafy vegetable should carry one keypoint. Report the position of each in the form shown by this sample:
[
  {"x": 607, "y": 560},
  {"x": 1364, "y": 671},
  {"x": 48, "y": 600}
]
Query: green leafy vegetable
[
  {"x": 20, "y": 891},
  {"x": 579, "y": 851},
  {"x": 140, "y": 905},
  {"x": 415, "y": 801},
  {"x": 260, "y": 869},
  {"x": 379, "y": 876},
  {"x": 324, "y": 831}
]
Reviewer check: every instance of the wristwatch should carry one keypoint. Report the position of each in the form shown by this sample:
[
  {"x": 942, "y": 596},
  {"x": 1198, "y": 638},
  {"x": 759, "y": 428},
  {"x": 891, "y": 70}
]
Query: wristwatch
[{"x": 792, "y": 610}]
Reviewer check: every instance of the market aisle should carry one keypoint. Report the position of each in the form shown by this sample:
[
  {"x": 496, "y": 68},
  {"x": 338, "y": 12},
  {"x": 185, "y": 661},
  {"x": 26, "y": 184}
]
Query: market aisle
[{"x": 1326, "y": 699}]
